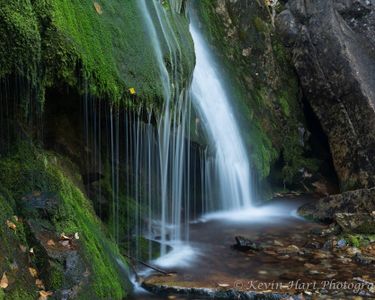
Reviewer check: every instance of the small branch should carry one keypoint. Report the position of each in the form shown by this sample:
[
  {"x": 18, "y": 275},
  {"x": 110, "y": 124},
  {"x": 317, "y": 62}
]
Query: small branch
[{"x": 147, "y": 265}]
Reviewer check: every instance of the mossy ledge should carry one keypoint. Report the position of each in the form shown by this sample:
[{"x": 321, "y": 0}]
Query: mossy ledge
[
  {"x": 30, "y": 170},
  {"x": 97, "y": 47}
]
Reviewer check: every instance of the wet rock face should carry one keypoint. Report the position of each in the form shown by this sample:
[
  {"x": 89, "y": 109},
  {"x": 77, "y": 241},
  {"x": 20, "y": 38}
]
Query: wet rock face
[{"x": 333, "y": 49}]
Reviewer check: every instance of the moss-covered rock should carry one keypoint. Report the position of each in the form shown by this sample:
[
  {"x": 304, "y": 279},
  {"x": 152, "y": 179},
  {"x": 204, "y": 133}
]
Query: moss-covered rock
[
  {"x": 14, "y": 261},
  {"x": 31, "y": 170}
]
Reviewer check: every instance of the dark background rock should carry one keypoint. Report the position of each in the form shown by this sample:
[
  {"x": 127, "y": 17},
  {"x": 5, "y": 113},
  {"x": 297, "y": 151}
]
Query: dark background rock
[{"x": 333, "y": 49}]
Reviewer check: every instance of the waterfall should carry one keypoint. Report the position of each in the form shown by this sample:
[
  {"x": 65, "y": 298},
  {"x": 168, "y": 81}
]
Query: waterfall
[
  {"x": 227, "y": 165},
  {"x": 156, "y": 180},
  {"x": 172, "y": 130}
]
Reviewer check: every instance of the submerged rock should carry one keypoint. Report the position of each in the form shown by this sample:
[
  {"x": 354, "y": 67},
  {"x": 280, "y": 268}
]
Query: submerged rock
[
  {"x": 291, "y": 249},
  {"x": 244, "y": 244},
  {"x": 365, "y": 259}
]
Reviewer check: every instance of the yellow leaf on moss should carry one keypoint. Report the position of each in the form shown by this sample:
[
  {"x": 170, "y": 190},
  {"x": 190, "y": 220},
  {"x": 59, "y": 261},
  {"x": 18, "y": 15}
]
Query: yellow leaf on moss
[
  {"x": 33, "y": 272},
  {"x": 11, "y": 225},
  {"x": 98, "y": 8},
  {"x": 4, "y": 281},
  {"x": 63, "y": 237},
  {"x": 39, "y": 283}
]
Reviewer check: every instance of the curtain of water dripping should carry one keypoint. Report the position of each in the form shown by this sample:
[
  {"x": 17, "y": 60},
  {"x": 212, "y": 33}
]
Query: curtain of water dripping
[{"x": 150, "y": 165}]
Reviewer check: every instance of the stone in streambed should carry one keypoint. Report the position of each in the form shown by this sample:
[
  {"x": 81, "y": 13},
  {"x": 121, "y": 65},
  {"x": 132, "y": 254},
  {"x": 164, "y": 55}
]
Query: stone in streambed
[
  {"x": 363, "y": 223},
  {"x": 292, "y": 249},
  {"x": 244, "y": 244},
  {"x": 365, "y": 259}
]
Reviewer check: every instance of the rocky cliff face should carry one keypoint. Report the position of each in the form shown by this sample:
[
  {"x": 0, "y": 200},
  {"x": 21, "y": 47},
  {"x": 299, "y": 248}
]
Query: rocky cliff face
[{"x": 333, "y": 48}]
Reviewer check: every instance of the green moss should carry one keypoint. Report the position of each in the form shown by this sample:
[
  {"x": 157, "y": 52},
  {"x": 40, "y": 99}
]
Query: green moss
[
  {"x": 19, "y": 294},
  {"x": 104, "y": 54},
  {"x": 359, "y": 240},
  {"x": 30, "y": 169},
  {"x": 20, "y": 41},
  {"x": 55, "y": 277},
  {"x": 22, "y": 286},
  {"x": 354, "y": 241},
  {"x": 366, "y": 228},
  {"x": 260, "y": 25}
]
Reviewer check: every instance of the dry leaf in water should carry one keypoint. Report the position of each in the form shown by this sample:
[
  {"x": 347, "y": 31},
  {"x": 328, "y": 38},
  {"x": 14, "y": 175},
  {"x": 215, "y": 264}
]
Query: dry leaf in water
[
  {"x": 98, "y": 8},
  {"x": 33, "y": 272},
  {"x": 43, "y": 295},
  {"x": 4, "y": 281},
  {"x": 11, "y": 225}
]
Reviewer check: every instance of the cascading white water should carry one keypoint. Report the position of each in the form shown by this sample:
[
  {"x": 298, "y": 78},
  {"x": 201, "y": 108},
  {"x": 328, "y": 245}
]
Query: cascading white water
[
  {"x": 228, "y": 169},
  {"x": 173, "y": 152}
]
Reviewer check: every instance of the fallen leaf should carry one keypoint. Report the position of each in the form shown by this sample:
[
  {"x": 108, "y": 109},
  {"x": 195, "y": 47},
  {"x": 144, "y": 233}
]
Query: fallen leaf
[
  {"x": 15, "y": 218},
  {"x": 4, "y": 281},
  {"x": 36, "y": 193},
  {"x": 43, "y": 295},
  {"x": 64, "y": 237},
  {"x": 31, "y": 251},
  {"x": 11, "y": 225},
  {"x": 98, "y": 8},
  {"x": 76, "y": 236},
  {"x": 132, "y": 91},
  {"x": 309, "y": 266},
  {"x": 39, "y": 283},
  {"x": 51, "y": 243},
  {"x": 86, "y": 273},
  {"x": 23, "y": 248},
  {"x": 33, "y": 272}
]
